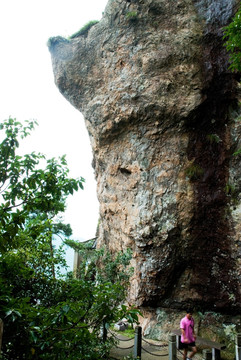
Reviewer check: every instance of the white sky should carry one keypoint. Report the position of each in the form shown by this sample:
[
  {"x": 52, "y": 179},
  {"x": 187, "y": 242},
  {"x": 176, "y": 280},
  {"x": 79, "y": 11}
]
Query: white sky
[{"x": 27, "y": 91}]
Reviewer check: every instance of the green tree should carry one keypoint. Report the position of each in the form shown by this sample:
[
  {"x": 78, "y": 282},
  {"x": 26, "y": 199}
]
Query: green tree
[
  {"x": 232, "y": 35},
  {"x": 27, "y": 188},
  {"x": 48, "y": 315},
  {"x": 47, "y": 318}
]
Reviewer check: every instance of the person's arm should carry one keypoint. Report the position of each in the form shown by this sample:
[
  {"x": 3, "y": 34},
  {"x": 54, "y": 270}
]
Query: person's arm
[{"x": 184, "y": 335}]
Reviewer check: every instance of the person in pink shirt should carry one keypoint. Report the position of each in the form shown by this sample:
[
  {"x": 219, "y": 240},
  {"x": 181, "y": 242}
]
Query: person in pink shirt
[{"x": 188, "y": 336}]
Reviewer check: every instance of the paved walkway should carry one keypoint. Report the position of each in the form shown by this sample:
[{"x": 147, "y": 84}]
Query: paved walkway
[{"x": 125, "y": 348}]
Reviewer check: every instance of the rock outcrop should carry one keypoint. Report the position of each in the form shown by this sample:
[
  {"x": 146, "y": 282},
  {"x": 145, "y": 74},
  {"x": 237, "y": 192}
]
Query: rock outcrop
[{"x": 152, "y": 81}]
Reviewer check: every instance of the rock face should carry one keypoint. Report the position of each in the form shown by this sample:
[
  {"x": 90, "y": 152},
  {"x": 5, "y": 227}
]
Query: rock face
[{"x": 152, "y": 81}]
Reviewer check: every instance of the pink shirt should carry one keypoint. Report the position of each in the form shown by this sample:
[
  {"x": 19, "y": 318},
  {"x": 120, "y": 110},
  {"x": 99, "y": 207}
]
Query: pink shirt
[{"x": 188, "y": 326}]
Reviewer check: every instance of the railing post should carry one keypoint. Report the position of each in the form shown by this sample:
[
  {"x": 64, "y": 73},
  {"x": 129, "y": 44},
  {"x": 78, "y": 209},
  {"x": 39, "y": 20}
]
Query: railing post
[
  {"x": 216, "y": 354},
  {"x": 172, "y": 347},
  {"x": 137, "y": 342},
  {"x": 238, "y": 346},
  {"x": 207, "y": 354}
]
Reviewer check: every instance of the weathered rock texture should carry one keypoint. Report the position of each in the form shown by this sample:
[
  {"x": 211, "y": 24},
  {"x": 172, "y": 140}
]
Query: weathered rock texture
[{"x": 152, "y": 81}]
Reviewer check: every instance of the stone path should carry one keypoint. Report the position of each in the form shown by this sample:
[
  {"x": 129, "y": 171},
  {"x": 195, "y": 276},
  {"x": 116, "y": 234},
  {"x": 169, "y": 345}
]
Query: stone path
[{"x": 123, "y": 349}]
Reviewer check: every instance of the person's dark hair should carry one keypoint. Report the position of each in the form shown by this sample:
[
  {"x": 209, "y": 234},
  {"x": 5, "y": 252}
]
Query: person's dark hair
[{"x": 189, "y": 311}]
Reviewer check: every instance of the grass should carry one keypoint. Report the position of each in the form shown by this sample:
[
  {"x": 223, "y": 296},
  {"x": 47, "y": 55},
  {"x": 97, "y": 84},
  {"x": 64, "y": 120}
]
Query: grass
[{"x": 84, "y": 30}]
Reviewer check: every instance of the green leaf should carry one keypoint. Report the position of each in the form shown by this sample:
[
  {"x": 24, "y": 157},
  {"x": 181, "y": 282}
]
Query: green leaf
[{"x": 33, "y": 336}]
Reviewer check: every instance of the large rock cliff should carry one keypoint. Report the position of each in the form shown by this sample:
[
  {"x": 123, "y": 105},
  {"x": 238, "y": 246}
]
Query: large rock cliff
[{"x": 152, "y": 81}]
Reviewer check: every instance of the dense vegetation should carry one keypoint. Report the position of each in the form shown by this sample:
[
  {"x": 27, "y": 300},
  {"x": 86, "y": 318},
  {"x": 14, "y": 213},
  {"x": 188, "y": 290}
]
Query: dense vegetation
[
  {"x": 48, "y": 315},
  {"x": 232, "y": 35}
]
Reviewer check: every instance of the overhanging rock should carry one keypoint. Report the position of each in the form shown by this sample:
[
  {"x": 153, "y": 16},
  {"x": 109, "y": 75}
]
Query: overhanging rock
[{"x": 152, "y": 81}]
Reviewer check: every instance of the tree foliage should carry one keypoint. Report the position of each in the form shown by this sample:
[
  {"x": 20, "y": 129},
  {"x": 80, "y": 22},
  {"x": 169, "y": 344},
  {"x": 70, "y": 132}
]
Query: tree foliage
[
  {"x": 27, "y": 188},
  {"x": 49, "y": 318},
  {"x": 48, "y": 315},
  {"x": 232, "y": 35}
]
